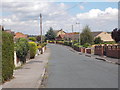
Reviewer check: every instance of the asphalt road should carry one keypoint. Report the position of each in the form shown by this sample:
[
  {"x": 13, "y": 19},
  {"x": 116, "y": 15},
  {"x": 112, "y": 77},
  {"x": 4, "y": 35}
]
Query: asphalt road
[{"x": 68, "y": 69}]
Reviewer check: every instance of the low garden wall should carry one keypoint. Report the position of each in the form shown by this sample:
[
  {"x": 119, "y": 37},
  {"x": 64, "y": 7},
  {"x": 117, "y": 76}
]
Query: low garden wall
[
  {"x": 88, "y": 50},
  {"x": 98, "y": 50},
  {"x": 108, "y": 50},
  {"x": 113, "y": 51}
]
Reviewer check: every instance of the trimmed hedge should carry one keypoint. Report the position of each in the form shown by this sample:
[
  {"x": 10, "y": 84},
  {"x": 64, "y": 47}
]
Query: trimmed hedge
[
  {"x": 7, "y": 56},
  {"x": 33, "y": 48}
]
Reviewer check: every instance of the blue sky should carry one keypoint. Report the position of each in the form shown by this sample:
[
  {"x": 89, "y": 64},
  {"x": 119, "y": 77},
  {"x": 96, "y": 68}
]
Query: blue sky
[
  {"x": 100, "y": 16},
  {"x": 89, "y": 5}
]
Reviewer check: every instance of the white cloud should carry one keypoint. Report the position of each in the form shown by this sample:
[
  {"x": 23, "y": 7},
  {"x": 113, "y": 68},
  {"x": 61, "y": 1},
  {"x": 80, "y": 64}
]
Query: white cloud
[
  {"x": 23, "y": 17},
  {"x": 108, "y": 13}
]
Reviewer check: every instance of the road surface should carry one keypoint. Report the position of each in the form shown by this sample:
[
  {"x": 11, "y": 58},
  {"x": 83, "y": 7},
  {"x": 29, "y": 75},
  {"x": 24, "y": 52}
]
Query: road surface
[{"x": 68, "y": 69}]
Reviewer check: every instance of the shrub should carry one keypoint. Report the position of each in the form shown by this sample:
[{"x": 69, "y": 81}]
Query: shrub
[
  {"x": 76, "y": 45},
  {"x": 86, "y": 45},
  {"x": 32, "y": 39},
  {"x": 22, "y": 48},
  {"x": 33, "y": 48},
  {"x": 43, "y": 44},
  {"x": 7, "y": 56},
  {"x": 98, "y": 40},
  {"x": 66, "y": 43}
]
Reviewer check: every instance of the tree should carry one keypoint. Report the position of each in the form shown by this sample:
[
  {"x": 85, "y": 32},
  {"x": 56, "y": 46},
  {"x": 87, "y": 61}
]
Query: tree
[
  {"x": 22, "y": 48},
  {"x": 86, "y": 36},
  {"x": 116, "y": 35},
  {"x": 38, "y": 38},
  {"x": 98, "y": 40},
  {"x": 50, "y": 34}
]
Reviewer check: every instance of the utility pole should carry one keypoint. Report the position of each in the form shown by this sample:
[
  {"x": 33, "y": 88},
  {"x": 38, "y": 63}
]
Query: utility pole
[{"x": 41, "y": 27}]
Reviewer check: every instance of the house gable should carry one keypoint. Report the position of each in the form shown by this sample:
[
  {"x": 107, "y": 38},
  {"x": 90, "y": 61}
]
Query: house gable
[
  {"x": 59, "y": 32},
  {"x": 105, "y": 36}
]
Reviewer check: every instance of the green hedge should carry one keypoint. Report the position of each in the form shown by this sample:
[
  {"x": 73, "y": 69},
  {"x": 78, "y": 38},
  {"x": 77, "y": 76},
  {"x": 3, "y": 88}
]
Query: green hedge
[
  {"x": 7, "y": 56},
  {"x": 33, "y": 48}
]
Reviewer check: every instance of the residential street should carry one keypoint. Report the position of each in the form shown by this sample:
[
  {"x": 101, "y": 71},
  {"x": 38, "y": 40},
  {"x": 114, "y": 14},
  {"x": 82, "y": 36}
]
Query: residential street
[{"x": 68, "y": 69}]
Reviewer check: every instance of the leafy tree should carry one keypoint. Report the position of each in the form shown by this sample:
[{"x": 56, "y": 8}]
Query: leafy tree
[
  {"x": 38, "y": 38},
  {"x": 98, "y": 40},
  {"x": 22, "y": 48},
  {"x": 116, "y": 35},
  {"x": 32, "y": 39},
  {"x": 50, "y": 34},
  {"x": 86, "y": 36}
]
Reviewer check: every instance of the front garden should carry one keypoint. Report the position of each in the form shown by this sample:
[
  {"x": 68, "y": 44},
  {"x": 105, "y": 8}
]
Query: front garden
[{"x": 18, "y": 52}]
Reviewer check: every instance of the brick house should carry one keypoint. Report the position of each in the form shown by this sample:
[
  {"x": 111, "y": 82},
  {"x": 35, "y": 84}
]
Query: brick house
[{"x": 19, "y": 35}]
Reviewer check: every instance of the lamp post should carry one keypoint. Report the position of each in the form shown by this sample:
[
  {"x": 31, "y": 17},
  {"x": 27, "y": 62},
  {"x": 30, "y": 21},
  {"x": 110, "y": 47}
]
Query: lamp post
[{"x": 79, "y": 33}]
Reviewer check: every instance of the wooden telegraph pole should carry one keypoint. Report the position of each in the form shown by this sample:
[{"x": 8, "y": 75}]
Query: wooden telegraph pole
[
  {"x": 41, "y": 27},
  {"x": 41, "y": 32}
]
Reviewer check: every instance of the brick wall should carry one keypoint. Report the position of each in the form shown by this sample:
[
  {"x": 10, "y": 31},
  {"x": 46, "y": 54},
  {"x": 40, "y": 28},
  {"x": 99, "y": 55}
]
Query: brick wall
[
  {"x": 113, "y": 51},
  {"x": 98, "y": 50},
  {"x": 108, "y": 50},
  {"x": 88, "y": 50}
]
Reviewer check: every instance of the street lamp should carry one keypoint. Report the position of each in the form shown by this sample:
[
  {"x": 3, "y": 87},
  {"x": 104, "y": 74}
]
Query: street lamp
[{"x": 79, "y": 32}]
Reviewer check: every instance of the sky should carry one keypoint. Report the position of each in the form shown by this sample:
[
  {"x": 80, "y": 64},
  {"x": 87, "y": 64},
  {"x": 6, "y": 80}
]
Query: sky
[{"x": 21, "y": 16}]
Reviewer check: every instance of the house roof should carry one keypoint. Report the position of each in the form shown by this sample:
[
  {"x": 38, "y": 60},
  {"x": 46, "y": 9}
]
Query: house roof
[
  {"x": 20, "y": 35},
  {"x": 72, "y": 35},
  {"x": 9, "y": 31},
  {"x": 56, "y": 31},
  {"x": 96, "y": 33}
]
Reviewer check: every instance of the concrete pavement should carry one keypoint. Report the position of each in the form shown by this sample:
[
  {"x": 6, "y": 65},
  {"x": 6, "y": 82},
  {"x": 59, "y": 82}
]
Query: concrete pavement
[{"x": 30, "y": 75}]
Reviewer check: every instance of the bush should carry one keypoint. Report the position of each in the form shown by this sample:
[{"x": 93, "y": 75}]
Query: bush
[
  {"x": 98, "y": 40},
  {"x": 77, "y": 45},
  {"x": 66, "y": 43},
  {"x": 32, "y": 39},
  {"x": 33, "y": 48},
  {"x": 43, "y": 44},
  {"x": 86, "y": 45},
  {"x": 7, "y": 56},
  {"x": 22, "y": 48}
]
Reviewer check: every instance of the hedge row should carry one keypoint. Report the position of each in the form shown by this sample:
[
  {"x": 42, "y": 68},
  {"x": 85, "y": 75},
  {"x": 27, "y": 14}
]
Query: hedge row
[{"x": 7, "y": 56}]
